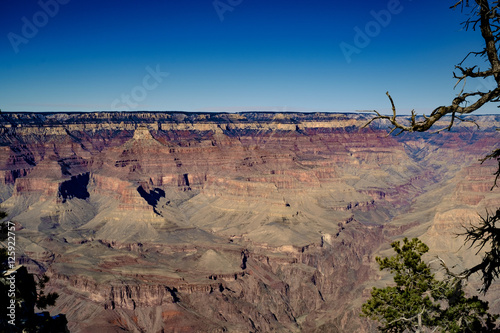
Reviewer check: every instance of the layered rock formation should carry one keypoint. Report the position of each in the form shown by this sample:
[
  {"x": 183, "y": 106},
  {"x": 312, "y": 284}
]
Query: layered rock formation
[{"x": 230, "y": 222}]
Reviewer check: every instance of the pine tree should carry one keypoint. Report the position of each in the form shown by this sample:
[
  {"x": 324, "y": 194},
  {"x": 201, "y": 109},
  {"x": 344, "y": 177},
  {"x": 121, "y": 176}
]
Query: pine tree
[{"x": 418, "y": 302}]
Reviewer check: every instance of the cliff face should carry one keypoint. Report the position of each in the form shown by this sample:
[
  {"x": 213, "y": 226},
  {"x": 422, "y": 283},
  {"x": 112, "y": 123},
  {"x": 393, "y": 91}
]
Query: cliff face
[{"x": 229, "y": 222}]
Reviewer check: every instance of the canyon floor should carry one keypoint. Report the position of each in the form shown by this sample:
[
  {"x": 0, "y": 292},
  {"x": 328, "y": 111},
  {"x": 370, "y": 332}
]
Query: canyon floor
[{"x": 247, "y": 222}]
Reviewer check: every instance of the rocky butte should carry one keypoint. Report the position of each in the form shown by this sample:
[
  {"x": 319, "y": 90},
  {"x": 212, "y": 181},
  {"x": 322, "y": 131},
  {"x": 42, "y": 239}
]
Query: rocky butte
[{"x": 247, "y": 222}]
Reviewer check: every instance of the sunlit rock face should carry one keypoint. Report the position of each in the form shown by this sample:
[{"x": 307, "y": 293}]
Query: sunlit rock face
[{"x": 232, "y": 222}]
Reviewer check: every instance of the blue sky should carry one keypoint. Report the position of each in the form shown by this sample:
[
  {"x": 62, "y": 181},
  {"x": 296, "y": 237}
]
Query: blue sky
[{"x": 230, "y": 55}]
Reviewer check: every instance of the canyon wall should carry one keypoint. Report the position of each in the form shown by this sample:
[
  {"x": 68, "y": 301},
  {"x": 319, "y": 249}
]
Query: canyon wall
[{"x": 248, "y": 222}]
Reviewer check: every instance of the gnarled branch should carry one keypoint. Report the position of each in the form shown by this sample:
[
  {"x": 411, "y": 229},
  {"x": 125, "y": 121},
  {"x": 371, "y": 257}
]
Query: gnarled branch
[
  {"x": 464, "y": 103},
  {"x": 487, "y": 233}
]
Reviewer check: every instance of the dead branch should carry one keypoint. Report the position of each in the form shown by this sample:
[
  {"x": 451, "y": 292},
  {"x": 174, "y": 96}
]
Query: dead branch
[
  {"x": 485, "y": 234},
  {"x": 494, "y": 154},
  {"x": 488, "y": 20}
]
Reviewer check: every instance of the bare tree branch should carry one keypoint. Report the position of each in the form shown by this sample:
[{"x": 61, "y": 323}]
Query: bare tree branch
[
  {"x": 464, "y": 103},
  {"x": 495, "y": 154},
  {"x": 486, "y": 234}
]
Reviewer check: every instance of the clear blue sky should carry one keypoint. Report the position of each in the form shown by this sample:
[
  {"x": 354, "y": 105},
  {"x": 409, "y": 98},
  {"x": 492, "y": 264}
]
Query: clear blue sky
[{"x": 229, "y": 55}]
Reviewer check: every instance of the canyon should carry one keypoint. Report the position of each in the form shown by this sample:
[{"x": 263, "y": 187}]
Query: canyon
[{"x": 234, "y": 222}]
